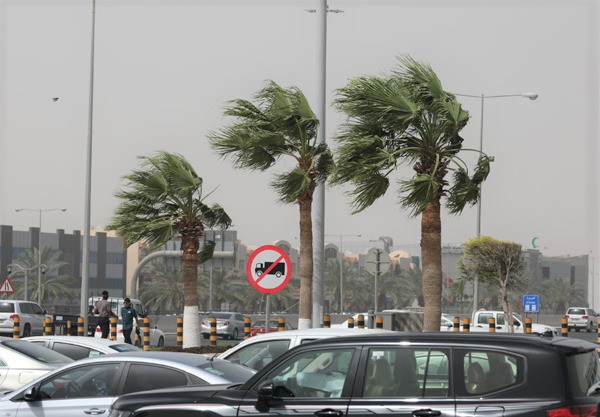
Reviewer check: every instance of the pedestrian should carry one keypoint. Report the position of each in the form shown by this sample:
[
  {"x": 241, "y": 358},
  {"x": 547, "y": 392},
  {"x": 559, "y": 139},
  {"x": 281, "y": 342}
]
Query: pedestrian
[
  {"x": 103, "y": 309},
  {"x": 128, "y": 313}
]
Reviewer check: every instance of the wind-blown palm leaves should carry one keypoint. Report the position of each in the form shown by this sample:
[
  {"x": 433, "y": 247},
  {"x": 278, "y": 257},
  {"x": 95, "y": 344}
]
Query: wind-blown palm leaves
[
  {"x": 163, "y": 200},
  {"x": 407, "y": 118},
  {"x": 281, "y": 124},
  {"x": 55, "y": 285}
]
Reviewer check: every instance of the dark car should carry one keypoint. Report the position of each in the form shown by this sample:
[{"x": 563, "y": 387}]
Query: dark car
[{"x": 401, "y": 375}]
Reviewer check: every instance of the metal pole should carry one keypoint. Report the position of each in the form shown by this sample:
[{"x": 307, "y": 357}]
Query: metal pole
[
  {"x": 85, "y": 274},
  {"x": 377, "y": 276},
  {"x": 268, "y": 314},
  {"x": 26, "y": 283},
  {"x": 341, "y": 276},
  {"x": 210, "y": 289},
  {"x": 478, "y": 231},
  {"x": 40, "y": 262}
]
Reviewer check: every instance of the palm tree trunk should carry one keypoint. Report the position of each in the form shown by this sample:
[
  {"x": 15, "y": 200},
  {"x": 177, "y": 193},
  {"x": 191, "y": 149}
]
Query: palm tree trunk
[
  {"x": 306, "y": 264},
  {"x": 189, "y": 266},
  {"x": 431, "y": 249}
]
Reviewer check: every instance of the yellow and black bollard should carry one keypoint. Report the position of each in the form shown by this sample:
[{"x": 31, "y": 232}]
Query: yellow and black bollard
[
  {"x": 361, "y": 321},
  {"x": 351, "y": 323},
  {"x": 69, "y": 328},
  {"x": 47, "y": 326},
  {"x": 564, "y": 327},
  {"x": 528, "y": 325},
  {"x": 80, "y": 326},
  {"x": 213, "y": 331},
  {"x": 598, "y": 327},
  {"x": 146, "y": 333},
  {"x": 281, "y": 324},
  {"x": 456, "y": 326},
  {"x": 327, "y": 321},
  {"x": 466, "y": 325},
  {"x": 180, "y": 331},
  {"x": 247, "y": 327},
  {"x": 16, "y": 326},
  {"x": 113, "y": 328},
  {"x": 492, "y": 323},
  {"x": 379, "y": 323}
]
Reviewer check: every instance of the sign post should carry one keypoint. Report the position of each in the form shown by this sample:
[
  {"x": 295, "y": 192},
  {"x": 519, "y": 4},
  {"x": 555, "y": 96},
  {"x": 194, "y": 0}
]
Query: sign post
[
  {"x": 531, "y": 304},
  {"x": 7, "y": 287},
  {"x": 377, "y": 262},
  {"x": 269, "y": 270}
]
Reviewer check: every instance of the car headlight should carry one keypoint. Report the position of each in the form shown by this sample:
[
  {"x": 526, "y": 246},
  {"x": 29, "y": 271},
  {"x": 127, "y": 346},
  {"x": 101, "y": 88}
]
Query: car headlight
[{"x": 119, "y": 413}]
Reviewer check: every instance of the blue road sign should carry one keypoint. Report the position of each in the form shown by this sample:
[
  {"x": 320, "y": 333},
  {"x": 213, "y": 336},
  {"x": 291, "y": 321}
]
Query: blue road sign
[{"x": 531, "y": 303}]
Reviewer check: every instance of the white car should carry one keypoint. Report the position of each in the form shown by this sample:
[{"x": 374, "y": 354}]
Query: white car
[
  {"x": 258, "y": 351},
  {"x": 31, "y": 317},
  {"x": 157, "y": 337},
  {"x": 79, "y": 347},
  {"x": 22, "y": 362}
]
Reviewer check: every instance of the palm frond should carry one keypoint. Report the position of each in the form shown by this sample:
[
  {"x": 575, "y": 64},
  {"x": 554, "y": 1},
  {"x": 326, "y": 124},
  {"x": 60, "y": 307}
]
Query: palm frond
[
  {"x": 291, "y": 185},
  {"x": 367, "y": 191},
  {"x": 419, "y": 191}
]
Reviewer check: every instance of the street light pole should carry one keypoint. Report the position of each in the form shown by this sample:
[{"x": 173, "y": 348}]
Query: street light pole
[
  {"x": 341, "y": 250},
  {"x": 530, "y": 96},
  {"x": 39, "y": 266},
  {"x": 40, "y": 272}
]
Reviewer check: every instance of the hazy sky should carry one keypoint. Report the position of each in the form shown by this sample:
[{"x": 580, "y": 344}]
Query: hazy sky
[{"x": 165, "y": 68}]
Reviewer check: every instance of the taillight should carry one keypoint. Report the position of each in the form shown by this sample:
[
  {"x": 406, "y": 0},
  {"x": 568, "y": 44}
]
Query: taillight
[
  {"x": 567, "y": 316},
  {"x": 574, "y": 411},
  {"x": 121, "y": 331},
  {"x": 584, "y": 317},
  {"x": 12, "y": 316},
  {"x": 225, "y": 323},
  {"x": 98, "y": 329}
]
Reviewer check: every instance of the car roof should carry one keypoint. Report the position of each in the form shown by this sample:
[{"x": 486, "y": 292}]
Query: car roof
[{"x": 81, "y": 340}]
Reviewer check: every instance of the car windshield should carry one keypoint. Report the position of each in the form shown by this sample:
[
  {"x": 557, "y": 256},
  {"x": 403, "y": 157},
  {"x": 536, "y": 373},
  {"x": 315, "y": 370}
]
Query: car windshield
[
  {"x": 584, "y": 373},
  {"x": 7, "y": 307},
  {"x": 579, "y": 311},
  {"x": 36, "y": 352},
  {"x": 220, "y": 316},
  {"x": 230, "y": 371}
]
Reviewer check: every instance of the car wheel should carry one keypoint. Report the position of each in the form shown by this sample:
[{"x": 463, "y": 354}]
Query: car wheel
[
  {"x": 236, "y": 334},
  {"x": 161, "y": 342}
]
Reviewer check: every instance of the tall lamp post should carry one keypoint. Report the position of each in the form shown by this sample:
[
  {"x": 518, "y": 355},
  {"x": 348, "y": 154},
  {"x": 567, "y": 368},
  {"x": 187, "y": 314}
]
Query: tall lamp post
[
  {"x": 43, "y": 268},
  {"x": 342, "y": 268},
  {"x": 40, "y": 272},
  {"x": 482, "y": 97}
]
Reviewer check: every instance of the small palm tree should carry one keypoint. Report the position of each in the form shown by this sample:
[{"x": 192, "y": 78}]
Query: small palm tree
[
  {"x": 281, "y": 124},
  {"x": 55, "y": 285},
  {"x": 164, "y": 200},
  {"x": 407, "y": 118}
]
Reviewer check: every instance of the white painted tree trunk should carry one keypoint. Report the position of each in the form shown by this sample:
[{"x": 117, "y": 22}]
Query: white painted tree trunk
[{"x": 191, "y": 327}]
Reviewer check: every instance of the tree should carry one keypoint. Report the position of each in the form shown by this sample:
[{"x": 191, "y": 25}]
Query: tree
[
  {"x": 163, "y": 288},
  {"x": 281, "y": 124},
  {"x": 55, "y": 285},
  {"x": 559, "y": 294},
  {"x": 162, "y": 200},
  {"x": 497, "y": 263},
  {"x": 407, "y": 118}
]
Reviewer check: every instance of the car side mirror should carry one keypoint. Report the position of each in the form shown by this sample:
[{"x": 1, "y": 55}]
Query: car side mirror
[
  {"x": 30, "y": 394},
  {"x": 266, "y": 391},
  {"x": 516, "y": 323}
]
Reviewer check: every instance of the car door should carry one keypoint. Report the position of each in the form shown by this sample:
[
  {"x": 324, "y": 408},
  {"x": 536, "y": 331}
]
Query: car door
[
  {"x": 315, "y": 382},
  {"x": 403, "y": 381},
  {"x": 37, "y": 318},
  {"x": 78, "y": 391}
]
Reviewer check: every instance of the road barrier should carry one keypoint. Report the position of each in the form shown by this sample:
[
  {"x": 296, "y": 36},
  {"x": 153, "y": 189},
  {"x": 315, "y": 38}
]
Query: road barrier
[
  {"x": 69, "y": 328},
  {"x": 247, "y": 327},
  {"x": 179, "y": 331},
  {"x": 213, "y": 331},
  {"x": 456, "y": 324},
  {"x": 361, "y": 321},
  {"x": 146, "y": 333},
  {"x": 16, "y": 326},
  {"x": 466, "y": 325},
  {"x": 527, "y": 325},
  {"x": 80, "y": 326},
  {"x": 113, "y": 328},
  {"x": 47, "y": 327},
  {"x": 564, "y": 327},
  {"x": 379, "y": 323},
  {"x": 351, "y": 323},
  {"x": 327, "y": 321},
  {"x": 281, "y": 324},
  {"x": 492, "y": 323}
]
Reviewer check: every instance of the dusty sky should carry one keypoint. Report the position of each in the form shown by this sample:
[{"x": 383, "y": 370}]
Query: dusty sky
[{"x": 165, "y": 68}]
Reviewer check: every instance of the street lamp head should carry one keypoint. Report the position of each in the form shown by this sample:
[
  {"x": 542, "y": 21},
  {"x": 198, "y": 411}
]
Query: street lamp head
[{"x": 530, "y": 96}]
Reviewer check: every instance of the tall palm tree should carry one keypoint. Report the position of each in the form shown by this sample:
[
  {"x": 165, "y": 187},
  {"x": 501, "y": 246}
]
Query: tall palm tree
[
  {"x": 281, "y": 124},
  {"x": 55, "y": 285},
  {"x": 162, "y": 200},
  {"x": 407, "y": 118}
]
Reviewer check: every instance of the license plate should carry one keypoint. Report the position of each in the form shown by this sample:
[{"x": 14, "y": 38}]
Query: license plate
[{"x": 59, "y": 318}]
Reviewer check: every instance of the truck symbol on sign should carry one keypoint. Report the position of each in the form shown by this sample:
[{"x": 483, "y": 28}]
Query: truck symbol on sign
[{"x": 278, "y": 270}]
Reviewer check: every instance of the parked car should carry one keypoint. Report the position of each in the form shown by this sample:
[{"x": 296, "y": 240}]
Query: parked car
[
  {"x": 259, "y": 326},
  {"x": 89, "y": 386},
  {"x": 157, "y": 336},
  {"x": 256, "y": 352},
  {"x": 79, "y": 347},
  {"x": 229, "y": 325},
  {"x": 581, "y": 318},
  {"x": 31, "y": 317},
  {"x": 22, "y": 362},
  {"x": 401, "y": 374}
]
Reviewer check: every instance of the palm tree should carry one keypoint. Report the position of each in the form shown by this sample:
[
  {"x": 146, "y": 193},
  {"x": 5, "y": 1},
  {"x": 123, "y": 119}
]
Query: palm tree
[
  {"x": 560, "y": 294},
  {"x": 281, "y": 124},
  {"x": 407, "y": 118},
  {"x": 163, "y": 288},
  {"x": 55, "y": 285},
  {"x": 164, "y": 200}
]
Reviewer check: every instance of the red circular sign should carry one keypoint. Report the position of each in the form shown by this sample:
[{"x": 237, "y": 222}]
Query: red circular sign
[{"x": 269, "y": 269}]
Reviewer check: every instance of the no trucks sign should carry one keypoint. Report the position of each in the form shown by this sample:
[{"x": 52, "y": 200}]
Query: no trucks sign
[{"x": 269, "y": 269}]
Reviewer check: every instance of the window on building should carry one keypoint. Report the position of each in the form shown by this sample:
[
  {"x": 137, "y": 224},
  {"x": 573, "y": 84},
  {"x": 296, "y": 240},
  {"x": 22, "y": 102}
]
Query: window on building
[{"x": 545, "y": 272}]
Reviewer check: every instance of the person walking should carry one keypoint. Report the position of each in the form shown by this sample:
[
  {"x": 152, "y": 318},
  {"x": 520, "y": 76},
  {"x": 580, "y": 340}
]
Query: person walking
[
  {"x": 128, "y": 313},
  {"x": 103, "y": 309}
]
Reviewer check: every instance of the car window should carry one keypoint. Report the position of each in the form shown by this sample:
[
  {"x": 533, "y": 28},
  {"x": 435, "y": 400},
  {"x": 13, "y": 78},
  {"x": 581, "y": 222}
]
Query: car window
[
  {"x": 36, "y": 352},
  {"x": 576, "y": 311},
  {"x": 407, "y": 373},
  {"x": 313, "y": 374},
  {"x": 485, "y": 372},
  {"x": 98, "y": 380},
  {"x": 584, "y": 373},
  {"x": 7, "y": 307},
  {"x": 72, "y": 351},
  {"x": 146, "y": 377},
  {"x": 500, "y": 320},
  {"x": 257, "y": 355},
  {"x": 239, "y": 317},
  {"x": 484, "y": 318},
  {"x": 36, "y": 309},
  {"x": 26, "y": 308}
]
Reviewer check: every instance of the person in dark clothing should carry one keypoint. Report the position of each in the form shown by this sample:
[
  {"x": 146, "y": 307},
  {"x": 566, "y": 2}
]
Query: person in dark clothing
[
  {"x": 103, "y": 309},
  {"x": 128, "y": 313}
]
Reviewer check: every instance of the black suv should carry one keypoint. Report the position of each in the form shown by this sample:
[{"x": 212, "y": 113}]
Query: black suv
[{"x": 401, "y": 375}]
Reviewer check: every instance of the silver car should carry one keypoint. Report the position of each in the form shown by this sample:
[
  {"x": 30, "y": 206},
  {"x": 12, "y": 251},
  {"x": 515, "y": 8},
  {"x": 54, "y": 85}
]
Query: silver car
[
  {"x": 31, "y": 316},
  {"x": 582, "y": 318},
  {"x": 22, "y": 362},
  {"x": 79, "y": 347},
  {"x": 89, "y": 386},
  {"x": 229, "y": 325}
]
